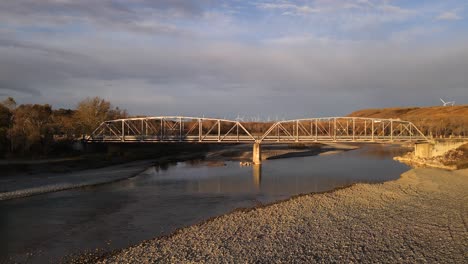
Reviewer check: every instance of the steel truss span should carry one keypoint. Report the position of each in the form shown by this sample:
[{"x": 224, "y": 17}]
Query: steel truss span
[{"x": 212, "y": 130}]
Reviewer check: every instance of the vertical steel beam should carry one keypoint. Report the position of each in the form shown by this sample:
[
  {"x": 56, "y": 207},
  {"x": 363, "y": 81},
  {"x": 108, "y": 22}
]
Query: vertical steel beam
[
  {"x": 146, "y": 127},
  {"x": 372, "y": 129},
  {"x": 180, "y": 129},
  {"x": 391, "y": 130},
  {"x": 277, "y": 132},
  {"x": 347, "y": 127},
  {"x": 123, "y": 130},
  {"x": 365, "y": 128},
  {"x": 162, "y": 128},
  {"x": 316, "y": 129},
  {"x": 311, "y": 128},
  {"x": 237, "y": 124},
  {"x": 219, "y": 130},
  {"x": 354, "y": 129},
  {"x": 297, "y": 130},
  {"x": 383, "y": 129},
  {"x": 411, "y": 131},
  {"x": 334, "y": 129},
  {"x": 200, "y": 131}
]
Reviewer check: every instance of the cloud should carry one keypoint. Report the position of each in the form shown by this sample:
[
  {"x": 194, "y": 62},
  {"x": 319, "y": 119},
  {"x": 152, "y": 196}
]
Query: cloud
[
  {"x": 393, "y": 9},
  {"x": 300, "y": 75},
  {"x": 341, "y": 16},
  {"x": 11, "y": 87},
  {"x": 142, "y": 16},
  {"x": 448, "y": 16},
  {"x": 415, "y": 33},
  {"x": 110, "y": 9},
  {"x": 289, "y": 8},
  {"x": 198, "y": 57}
]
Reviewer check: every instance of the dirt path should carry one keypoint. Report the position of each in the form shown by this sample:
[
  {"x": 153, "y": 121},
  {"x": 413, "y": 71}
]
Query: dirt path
[{"x": 421, "y": 217}]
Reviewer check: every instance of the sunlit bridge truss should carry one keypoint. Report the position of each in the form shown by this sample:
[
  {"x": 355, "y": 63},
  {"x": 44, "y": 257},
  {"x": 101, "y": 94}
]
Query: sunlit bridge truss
[{"x": 212, "y": 130}]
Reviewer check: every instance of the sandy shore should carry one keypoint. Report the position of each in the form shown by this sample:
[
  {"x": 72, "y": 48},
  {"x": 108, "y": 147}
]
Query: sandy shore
[{"x": 421, "y": 217}]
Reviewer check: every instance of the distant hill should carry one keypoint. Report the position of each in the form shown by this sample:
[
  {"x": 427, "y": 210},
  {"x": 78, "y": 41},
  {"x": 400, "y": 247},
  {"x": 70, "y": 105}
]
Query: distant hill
[{"x": 436, "y": 120}]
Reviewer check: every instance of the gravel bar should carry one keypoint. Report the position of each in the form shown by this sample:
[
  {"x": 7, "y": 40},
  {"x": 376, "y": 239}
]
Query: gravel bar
[
  {"x": 17, "y": 186},
  {"x": 419, "y": 218}
]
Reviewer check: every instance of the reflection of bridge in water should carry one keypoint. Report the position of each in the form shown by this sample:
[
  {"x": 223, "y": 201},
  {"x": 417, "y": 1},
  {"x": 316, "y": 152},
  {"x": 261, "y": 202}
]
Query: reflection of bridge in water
[{"x": 211, "y": 130}]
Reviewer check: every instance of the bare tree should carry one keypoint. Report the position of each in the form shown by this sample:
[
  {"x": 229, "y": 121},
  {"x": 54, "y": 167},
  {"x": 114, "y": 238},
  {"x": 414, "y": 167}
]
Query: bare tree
[
  {"x": 92, "y": 111},
  {"x": 9, "y": 103},
  {"x": 31, "y": 132}
]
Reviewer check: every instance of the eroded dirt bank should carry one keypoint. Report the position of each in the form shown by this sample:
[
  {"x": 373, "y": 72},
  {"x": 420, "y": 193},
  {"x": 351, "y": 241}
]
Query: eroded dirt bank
[{"x": 421, "y": 217}]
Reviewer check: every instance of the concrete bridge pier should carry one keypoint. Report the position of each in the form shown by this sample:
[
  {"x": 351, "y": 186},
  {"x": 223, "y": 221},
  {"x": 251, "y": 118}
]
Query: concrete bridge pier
[{"x": 257, "y": 154}]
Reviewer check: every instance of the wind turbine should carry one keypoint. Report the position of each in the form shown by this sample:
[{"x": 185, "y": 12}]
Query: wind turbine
[{"x": 452, "y": 103}]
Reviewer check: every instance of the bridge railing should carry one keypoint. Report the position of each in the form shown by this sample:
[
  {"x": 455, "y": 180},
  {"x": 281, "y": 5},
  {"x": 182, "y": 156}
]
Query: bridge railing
[{"x": 194, "y": 129}]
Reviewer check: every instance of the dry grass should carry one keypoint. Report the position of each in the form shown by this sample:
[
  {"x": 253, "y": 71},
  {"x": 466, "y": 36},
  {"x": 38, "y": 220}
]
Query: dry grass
[{"x": 435, "y": 120}]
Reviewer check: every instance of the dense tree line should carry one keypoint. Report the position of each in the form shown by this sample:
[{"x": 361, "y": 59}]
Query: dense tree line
[
  {"x": 443, "y": 127},
  {"x": 36, "y": 130}
]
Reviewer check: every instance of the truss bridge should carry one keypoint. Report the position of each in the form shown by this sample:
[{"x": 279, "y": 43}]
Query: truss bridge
[{"x": 211, "y": 130}]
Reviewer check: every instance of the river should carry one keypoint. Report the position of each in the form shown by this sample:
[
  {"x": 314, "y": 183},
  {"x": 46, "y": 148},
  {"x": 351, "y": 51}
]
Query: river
[{"x": 47, "y": 227}]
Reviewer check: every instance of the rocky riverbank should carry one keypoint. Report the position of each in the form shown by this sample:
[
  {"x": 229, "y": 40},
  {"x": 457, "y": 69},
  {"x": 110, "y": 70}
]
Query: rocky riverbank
[{"x": 421, "y": 217}]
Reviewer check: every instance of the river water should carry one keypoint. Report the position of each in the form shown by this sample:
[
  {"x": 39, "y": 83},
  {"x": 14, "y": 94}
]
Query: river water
[{"x": 47, "y": 227}]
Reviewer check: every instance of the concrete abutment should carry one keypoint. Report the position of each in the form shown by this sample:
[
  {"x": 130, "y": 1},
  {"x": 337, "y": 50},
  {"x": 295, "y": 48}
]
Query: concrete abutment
[{"x": 436, "y": 148}]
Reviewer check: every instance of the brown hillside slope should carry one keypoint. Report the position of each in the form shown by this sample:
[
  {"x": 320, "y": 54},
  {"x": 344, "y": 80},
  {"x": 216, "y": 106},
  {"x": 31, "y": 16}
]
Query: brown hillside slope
[{"x": 438, "y": 120}]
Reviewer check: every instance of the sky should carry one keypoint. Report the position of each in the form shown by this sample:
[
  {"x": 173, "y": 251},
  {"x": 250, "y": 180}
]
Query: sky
[{"x": 262, "y": 58}]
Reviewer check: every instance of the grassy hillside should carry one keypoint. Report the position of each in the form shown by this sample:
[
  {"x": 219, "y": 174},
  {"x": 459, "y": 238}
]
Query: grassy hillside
[{"x": 435, "y": 120}]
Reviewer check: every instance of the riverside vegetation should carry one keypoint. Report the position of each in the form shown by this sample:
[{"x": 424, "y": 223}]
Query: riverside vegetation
[{"x": 35, "y": 130}]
